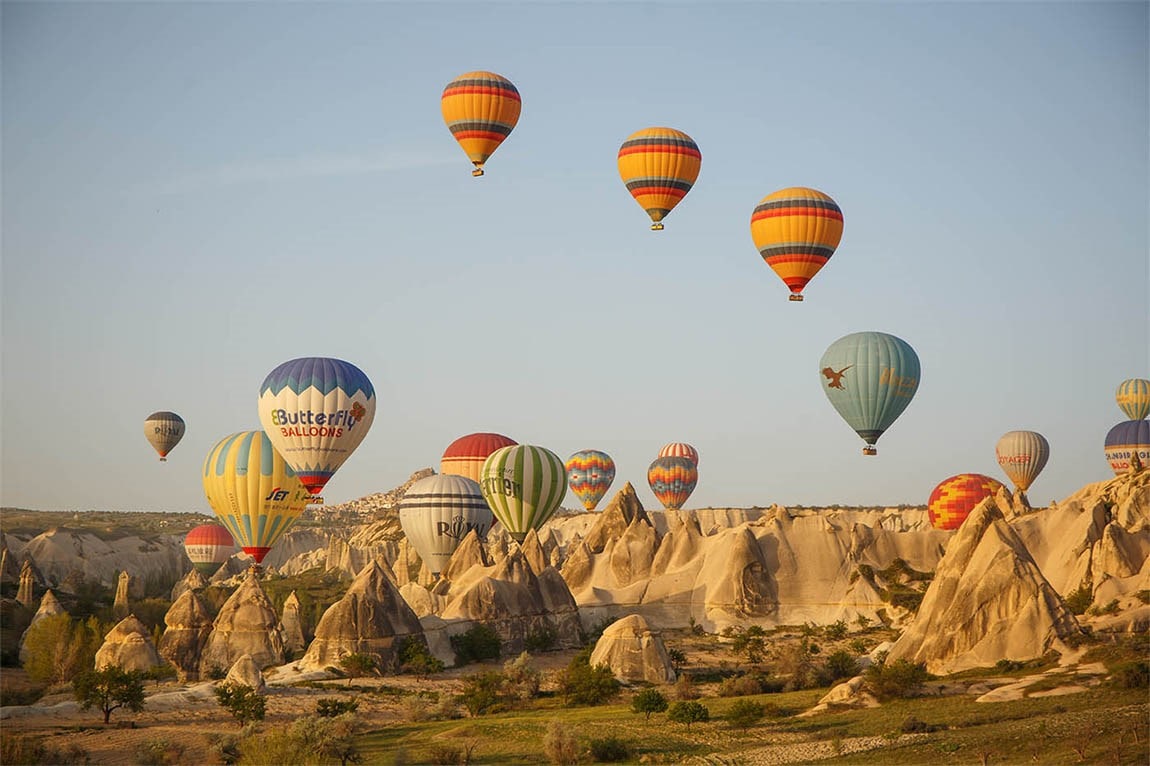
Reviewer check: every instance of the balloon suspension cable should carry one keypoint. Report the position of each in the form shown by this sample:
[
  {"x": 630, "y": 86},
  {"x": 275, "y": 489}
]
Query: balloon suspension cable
[
  {"x": 477, "y": 172},
  {"x": 869, "y": 450},
  {"x": 657, "y": 226},
  {"x": 795, "y": 297}
]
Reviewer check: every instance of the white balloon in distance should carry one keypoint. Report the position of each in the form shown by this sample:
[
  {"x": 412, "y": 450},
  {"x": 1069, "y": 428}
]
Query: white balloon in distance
[
  {"x": 437, "y": 512},
  {"x": 316, "y": 411}
]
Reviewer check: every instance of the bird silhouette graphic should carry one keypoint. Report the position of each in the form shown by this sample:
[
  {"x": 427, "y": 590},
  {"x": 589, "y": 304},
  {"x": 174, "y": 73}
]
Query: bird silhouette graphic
[{"x": 836, "y": 378}]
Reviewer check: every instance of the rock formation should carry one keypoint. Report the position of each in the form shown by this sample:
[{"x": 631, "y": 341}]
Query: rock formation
[
  {"x": 988, "y": 601},
  {"x": 63, "y": 553},
  {"x": 371, "y": 618},
  {"x": 24, "y": 593},
  {"x": 633, "y": 652},
  {"x": 120, "y": 608},
  {"x": 129, "y": 646},
  {"x": 188, "y": 625},
  {"x": 247, "y": 624},
  {"x": 193, "y": 580},
  {"x": 470, "y": 553},
  {"x": 246, "y": 673},
  {"x": 623, "y": 509},
  {"x": 292, "y": 626},
  {"x": 9, "y": 569}
]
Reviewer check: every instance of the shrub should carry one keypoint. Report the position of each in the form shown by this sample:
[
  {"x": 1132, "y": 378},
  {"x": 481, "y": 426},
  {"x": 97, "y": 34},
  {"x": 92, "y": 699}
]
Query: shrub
[
  {"x": 21, "y": 749},
  {"x": 750, "y": 642},
  {"x": 610, "y": 750},
  {"x": 330, "y": 707},
  {"x": 678, "y": 658},
  {"x": 310, "y": 739},
  {"x": 836, "y": 630},
  {"x": 415, "y": 657},
  {"x": 480, "y": 642},
  {"x": 521, "y": 679},
  {"x": 158, "y": 752},
  {"x": 584, "y": 684},
  {"x": 1132, "y": 675},
  {"x": 242, "y": 701},
  {"x": 688, "y": 712},
  {"x": 901, "y": 678},
  {"x": 685, "y": 689},
  {"x": 744, "y": 713},
  {"x": 481, "y": 692},
  {"x": 1079, "y": 601},
  {"x": 110, "y": 689},
  {"x": 541, "y": 639},
  {"x": 741, "y": 686},
  {"x": 912, "y": 725},
  {"x": 560, "y": 743},
  {"x": 841, "y": 664},
  {"x": 649, "y": 701},
  {"x": 357, "y": 665}
]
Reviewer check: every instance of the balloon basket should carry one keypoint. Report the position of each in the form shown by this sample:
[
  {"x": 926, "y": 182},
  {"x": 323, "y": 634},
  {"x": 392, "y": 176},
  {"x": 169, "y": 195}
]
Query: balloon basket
[
  {"x": 795, "y": 297},
  {"x": 163, "y": 460},
  {"x": 656, "y": 227},
  {"x": 477, "y": 172},
  {"x": 870, "y": 450}
]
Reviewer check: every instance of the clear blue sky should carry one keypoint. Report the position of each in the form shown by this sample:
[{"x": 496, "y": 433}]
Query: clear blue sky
[{"x": 194, "y": 193}]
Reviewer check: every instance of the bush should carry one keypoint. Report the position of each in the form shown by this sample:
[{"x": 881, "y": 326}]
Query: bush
[
  {"x": 481, "y": 692},
  {"x": 685, "y": 689},
  {"x": 330, "y": 707},
  {"x": 688, "y": 712},
  {"x": 741, "y": 686},
  {"x": 521, "y": 679},
  {"x": 541, "y": 639},
  {"x": 744, "y": 713},
  {"x": 560, "y": 744},
  {"x": 649, "y": 701},
  {"x": 584, "y": 684},
  {"x": 677, "y": 657},
  {"x": 841, "y": 664},
  {"x": 158, "y": 752},
  {"x": 242, "y": 701},
  {"x": 901, "y": 678},
  {"x": 414, "y": 657},
  {"x": 357, "y": 665},
  {"x": 610, "y": 750},
  {"x": 750, "y": 642},
  {"x": 307, "y": 740},
  {"x": 1079, "y": 601},
  {"x": 21, "y": 749},
  {"x": 912, "y": 725},
  {"x": 480, "y": 642},
  {"x": 1132, "y": 675},
  {"x": 110, "y": 689},
  {"x": 836, "y": 630}
]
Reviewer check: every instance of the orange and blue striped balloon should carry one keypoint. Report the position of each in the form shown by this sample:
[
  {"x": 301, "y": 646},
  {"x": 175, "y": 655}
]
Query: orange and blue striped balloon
[
  {"x": 796, "y": 231},
  {"x": 954, "y": 498},
  {"x": 672, "y": 480},
  {"x": 480, "y": 109},
  {"x": 659, "y": 166},
  {"x": 589, "y": 474}
]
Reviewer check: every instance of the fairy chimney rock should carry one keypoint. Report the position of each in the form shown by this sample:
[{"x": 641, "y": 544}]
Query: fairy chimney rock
[
  {"x": 247, "y": 624},
  {"x": 120, "y": 608},
  {"x": 193, "y": 580},
  {"x": 619, "y": 514},
  {"x": 469, "y": 553},
  {"x": 129, "y": 646},
  {"x": 245, "y": 672},
  {"x": 633, "y": 652},
  {"x": 292, "y": 626},
  {"x": 188, "y": 624},
  {"x": 24, "y": 590}
]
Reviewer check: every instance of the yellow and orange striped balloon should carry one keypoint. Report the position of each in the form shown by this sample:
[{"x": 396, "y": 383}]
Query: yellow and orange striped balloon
[
  {"x": 659, "y": 166},
  {"x": 954, "y": 498},
  {"x": 480, "y": 109},
  {"x": 796, "y": 231}
]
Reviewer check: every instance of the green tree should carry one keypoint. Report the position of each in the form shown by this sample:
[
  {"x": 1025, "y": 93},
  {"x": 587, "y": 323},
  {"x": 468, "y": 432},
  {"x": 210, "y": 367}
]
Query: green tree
[
  {"x": 58, "y": 648},
  {"x": 481, "y": 692},
  {"x": 243, "y": 702},
  {"x": 330, "y": 707},
  {"x": 109, "y": 689},
  {"x": 751, "y": 642},
  {"x": 649, "y": 701},
  {"x": 841, "y": 664},
  {"x": 415, "y": 657},
  {"x": 744, "y": 713},
  {"x": 584, "y": 684},
  {"x": 478, "y": 643},
  {"x": 901, "y": 678},
  {"x": 688, "y": 712},
  {"x": 357, "y": 665}
]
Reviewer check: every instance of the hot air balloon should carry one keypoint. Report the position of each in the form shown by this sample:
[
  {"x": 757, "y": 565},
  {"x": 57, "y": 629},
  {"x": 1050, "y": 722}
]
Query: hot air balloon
[
  {"x": 1022, "y": 456},
  {"x": 672, "y": 480},
  {"x": 1133, "y": 397},
  {"x": 796, "y": 231},
  {"x": 437, "y": 512},
  {"x": 953, "y": 499},
  {"x": 465, "y": 455},
  {"x": 163, "y": 431},
  {"x": 209, "y": 546},
  {"x": 870, "y": 378},
  {"x": 589, "y": 474},
  {"x": 316, "y": 411},
  {"x": 659, "y": 166},
  {"x": 253, "y": 491},
  {"x": 524, "y": 486},
  {"x": 480, "y": 109},
  {"x": 680, "y": 449},
  {"x": 1124, "y": 441}
]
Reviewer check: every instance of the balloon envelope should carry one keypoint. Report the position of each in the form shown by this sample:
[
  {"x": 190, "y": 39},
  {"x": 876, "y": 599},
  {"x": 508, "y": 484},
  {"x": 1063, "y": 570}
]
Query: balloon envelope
[
  {"x": 680, "y": 449},
  {"x": 465, "y": 455},
  {"x": 253, "y": 491},
  {"x": 1022, "y": 456},
  {"x": 437, "y": 512},
  {"x": 480, "y": 109},
  {"x": 208, "y": 546},
  {"x": 659, "y": 166},
  {"x": 954, "y": 498},
  {"x": 672, "y": 480},
  {"x": 1124, "y": 441},
  {"x": 316, "y": 411},
  {"x": 869, "y": 378},
  {"x": 524, "y": 486},
  {"x": 163, "y": 430},
  {"x": 1133, "y": 397},
  {"x": 796, "y": 231},
  {"x": 589, "y": 474}
]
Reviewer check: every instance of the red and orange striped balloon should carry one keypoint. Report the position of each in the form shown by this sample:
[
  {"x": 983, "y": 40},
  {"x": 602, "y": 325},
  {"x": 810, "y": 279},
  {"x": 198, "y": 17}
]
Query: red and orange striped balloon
[
  {"x": 465, "y": 455},
  {"x": 953, "y": 499},
  {"x": 796, "y": 231},
  {"x": 481, "y": 109},
  {"x": 659, "y": 166},
  {"x": 680, "y": 449}
]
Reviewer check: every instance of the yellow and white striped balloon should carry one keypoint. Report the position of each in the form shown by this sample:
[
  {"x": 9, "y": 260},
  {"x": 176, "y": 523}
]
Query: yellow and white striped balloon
[
  {"x": 524, "y": 486},
  {"x": 1133, "y": 397}
]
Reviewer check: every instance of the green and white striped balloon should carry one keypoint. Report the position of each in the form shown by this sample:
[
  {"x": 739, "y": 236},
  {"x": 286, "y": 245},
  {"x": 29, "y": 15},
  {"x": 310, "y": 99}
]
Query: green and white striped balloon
[{"x": 524, "y": 486}]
